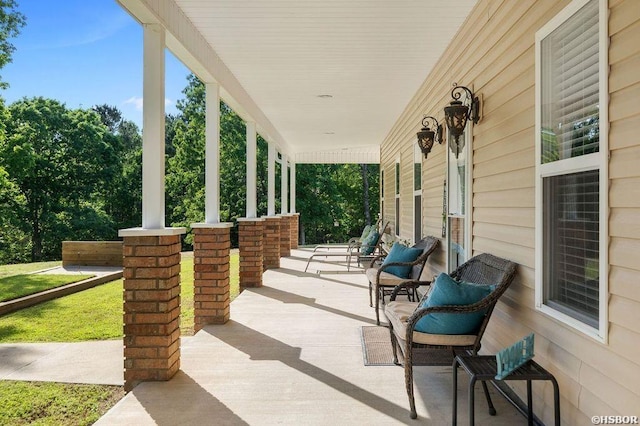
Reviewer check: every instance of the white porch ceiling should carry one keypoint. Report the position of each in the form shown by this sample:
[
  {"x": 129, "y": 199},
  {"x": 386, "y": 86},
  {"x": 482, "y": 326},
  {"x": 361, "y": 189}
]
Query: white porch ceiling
[{"x": 369, "y": 56}]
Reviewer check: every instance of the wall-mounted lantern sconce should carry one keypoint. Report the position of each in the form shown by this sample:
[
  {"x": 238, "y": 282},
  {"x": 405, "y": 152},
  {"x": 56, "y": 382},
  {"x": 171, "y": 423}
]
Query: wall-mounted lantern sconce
[
  {"x": 426, "y": 136},
  {"x": 457, "y": 113}
]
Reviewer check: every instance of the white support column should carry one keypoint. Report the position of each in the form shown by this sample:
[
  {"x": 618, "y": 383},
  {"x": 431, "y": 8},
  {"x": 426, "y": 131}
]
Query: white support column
[
  {"x": 153, "y": 127},
  {"x": 292, "y": 184},
  {"x": 271, "y": 180},
  {"x": 212, "y": 153},
  {"x": 252, "y": 165},
  {"x": 284, "y": 187}
]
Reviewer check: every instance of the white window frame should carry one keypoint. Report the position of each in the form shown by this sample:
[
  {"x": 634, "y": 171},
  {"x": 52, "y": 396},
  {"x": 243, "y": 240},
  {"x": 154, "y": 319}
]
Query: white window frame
[
  {"x": 417, "y": 159},
  {"x": 397, "y": 205},
  {"x": 468, "y": 148},
  {"x": 381, "y": 214},
  {"x": 594, "y": 161}
]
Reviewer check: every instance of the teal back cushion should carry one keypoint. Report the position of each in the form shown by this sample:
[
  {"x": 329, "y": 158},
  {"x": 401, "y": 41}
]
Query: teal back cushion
[
  {"x": 447, "y": 291},
  {"x": 400, "y": 253},
  {"x": 365, "y": 232},
  {"x": 368, "y": 245}
]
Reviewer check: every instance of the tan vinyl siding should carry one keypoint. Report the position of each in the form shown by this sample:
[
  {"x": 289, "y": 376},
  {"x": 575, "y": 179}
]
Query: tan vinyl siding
[{"x": 494, "y": 55}]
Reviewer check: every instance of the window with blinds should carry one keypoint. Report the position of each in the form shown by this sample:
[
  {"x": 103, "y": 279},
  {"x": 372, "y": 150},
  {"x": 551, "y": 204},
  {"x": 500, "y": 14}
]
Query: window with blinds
[
  {"x": 570, "y": 87},
  {"x": 572, "y": 242},
  {"x": 569, "y": 204}
]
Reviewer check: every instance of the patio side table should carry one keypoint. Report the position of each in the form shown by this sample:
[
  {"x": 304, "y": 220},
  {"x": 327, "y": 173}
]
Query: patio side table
[{"x": 483, "y": 367}]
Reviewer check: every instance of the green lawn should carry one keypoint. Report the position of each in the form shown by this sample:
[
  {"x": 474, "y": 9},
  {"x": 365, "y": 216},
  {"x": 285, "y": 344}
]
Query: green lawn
[
  {"x": 89, "y": 315},
  {"x": 29, "y": 403},
  {"x": 93, "y": 314},
  {"x": 25, "y": 268},
  {"x": 14, "y": 286}
]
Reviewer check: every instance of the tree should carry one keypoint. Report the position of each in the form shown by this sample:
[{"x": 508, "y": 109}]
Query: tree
[
  {"x": 186, "y": 167},
  {"x": 10, "y": 23},
  {"x": 61, "y": 161},
  {"x": 14, "y": 242},
  {"x": 330, "y": 193},
  {"x": 110, "y": 117},
  {"x": 123, "y": 195}
]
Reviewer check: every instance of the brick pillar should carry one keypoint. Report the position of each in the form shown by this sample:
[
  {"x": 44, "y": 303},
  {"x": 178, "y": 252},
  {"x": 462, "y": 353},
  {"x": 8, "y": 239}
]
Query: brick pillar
[
  {"x": 271, "y": 242},
  {"x": 285, "y": 236},
  {"x": 211, "y": 295},
  {"x": 294, "y": 221},
  {"x": 250, "y": 235},
  {"x": 151, "y": 307}
]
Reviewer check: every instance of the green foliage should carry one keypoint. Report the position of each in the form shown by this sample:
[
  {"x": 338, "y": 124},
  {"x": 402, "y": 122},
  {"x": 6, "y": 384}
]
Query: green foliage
[
  {"x": 326, "y": 193},
  {"x": 11, "y": 21},
  {"x": 186, "y": 168},
  {"x": 335, "y": 194},
  {"x": 28, "y": 403},
  {"x": 62, "y": 162},
  {"x": 15, "y": 244},
  {"x": 22, "y": 285}
]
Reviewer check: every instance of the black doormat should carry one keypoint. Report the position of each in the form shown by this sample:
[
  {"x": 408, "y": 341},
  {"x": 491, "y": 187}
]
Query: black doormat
[{"x": 377, "y": 351}]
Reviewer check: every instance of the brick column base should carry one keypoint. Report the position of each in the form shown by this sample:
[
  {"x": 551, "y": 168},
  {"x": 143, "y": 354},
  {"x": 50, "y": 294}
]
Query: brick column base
[
  {"x": 211, "y": 294},
  {"x": 294, "y": 221},
  {"x": 250, "y": 235},
  {"x": 285, "y": 236},
  {"x": 271, "y": 242},
  {"x": 151, "y": 307}
]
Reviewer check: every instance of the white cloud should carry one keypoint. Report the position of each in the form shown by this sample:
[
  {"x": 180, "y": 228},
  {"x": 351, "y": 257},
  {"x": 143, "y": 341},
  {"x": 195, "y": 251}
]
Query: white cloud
[
  {"x": 135, "y": 101},
  {"x": 138, "y": 102}
]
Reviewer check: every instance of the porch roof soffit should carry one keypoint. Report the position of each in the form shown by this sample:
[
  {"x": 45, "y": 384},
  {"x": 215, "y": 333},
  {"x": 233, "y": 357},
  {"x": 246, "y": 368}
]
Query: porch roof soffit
[{"x": 324, "y": 81}]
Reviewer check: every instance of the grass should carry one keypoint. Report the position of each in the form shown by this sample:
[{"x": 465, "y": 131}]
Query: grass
[
  {"x": 25, "y": 268},
  {"x": 94, "y": 314},
  {"x": 14, "y": 286},
  {"x": 30, "y": 403}
]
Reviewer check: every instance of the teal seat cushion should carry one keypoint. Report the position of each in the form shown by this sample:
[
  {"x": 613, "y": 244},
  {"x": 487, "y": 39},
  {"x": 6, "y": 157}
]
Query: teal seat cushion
[
  {"x": 369, "y": 243},
  {"x": 401, "y": 253},
  {"x": 447, "y": 291}
]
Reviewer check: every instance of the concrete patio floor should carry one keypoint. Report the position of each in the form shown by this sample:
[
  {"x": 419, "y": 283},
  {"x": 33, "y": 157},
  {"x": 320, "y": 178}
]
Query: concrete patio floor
[{"x": 292, "y": 354}]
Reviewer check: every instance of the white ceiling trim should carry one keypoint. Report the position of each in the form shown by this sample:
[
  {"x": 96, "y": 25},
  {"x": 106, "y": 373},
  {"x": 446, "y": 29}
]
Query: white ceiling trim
[
  {"x": 322, "y": 79},
  {"x": 188, "y": 45}
]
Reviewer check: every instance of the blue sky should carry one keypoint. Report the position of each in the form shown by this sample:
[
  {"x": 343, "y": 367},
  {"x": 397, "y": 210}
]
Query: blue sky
[{"x": 84, "y": 53}]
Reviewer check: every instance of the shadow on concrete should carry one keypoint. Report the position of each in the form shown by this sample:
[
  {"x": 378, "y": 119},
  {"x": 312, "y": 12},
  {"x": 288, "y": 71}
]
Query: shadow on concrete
[
  {"x": 15, "y": 357},
  {"x": 296, "y": 273},
  {"x": 184, "y": 402},
  {"x": 286, "y": 297},
  {"x": 261, "y": 347}
]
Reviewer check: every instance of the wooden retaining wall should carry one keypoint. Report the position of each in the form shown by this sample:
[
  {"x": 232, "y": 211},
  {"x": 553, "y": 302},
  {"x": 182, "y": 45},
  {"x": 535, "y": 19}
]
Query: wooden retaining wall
[{"x": 92, "y": 253}]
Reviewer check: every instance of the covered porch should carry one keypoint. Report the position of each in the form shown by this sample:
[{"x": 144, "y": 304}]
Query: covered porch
[{"x": 292, "y": 354}]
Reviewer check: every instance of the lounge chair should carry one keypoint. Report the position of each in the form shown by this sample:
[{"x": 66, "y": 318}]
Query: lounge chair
[
  {"x": 383, "y": 278},
  {"x": 372, "y": 245},
  {"x": 486, "y": 272},
  {"x": 354, "y": 242}
]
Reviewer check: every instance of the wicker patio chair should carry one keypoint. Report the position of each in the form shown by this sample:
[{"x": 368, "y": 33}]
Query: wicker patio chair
[
  {"x": 483, "y": 269},
  {"x": 382, "y": 282}
]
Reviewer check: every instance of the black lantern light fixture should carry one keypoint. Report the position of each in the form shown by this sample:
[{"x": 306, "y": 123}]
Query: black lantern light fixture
[
  {"x": 426, "y": 136},
  {"x": 457, "y": 113}
]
